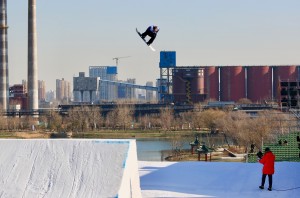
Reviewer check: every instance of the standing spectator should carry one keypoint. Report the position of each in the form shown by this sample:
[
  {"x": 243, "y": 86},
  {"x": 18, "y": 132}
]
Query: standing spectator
[
  {"x": 252, "y": 148},
  {"x": 268, "y": 160}
]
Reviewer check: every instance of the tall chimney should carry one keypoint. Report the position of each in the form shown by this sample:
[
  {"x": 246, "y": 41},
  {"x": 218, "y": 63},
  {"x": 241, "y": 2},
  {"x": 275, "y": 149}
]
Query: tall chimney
[
  {"x": 32, "y": 58},
  {"x": 3, "y": 57}
]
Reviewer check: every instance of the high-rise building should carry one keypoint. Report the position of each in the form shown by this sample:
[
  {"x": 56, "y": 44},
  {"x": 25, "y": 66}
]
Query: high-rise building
[
  {"x": 125, "y": 91},
  {"x": 24, "y": 83},
  {"x": 50, "y": 96},
  {"x": 63, "y": 90},
  {"x": 108, "y": 91},
  {"x": 149, "y": 93},
  {"x": 42, "y": 90}
]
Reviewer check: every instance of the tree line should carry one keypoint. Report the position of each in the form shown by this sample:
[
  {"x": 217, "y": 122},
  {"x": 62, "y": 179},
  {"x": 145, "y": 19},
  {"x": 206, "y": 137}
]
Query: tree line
[{"x": 242, "y": 128}]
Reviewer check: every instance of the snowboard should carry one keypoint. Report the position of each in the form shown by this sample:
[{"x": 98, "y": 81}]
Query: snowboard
[{"x": 144, "y": 40}]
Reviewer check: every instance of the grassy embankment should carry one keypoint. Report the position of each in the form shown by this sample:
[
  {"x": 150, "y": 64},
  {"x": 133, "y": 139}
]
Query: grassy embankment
[{"x": 107, "y": 134}]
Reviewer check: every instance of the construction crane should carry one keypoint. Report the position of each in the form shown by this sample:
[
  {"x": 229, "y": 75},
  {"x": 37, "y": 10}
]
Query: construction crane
[{"x": 117, "y": 59}]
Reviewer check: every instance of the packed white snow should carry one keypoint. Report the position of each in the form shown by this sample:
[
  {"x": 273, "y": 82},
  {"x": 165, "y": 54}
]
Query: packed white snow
[
  {"x": 216, "y": 179},
  {"x": 68, "y": 168},
  {"x": 109, "y": 168}
]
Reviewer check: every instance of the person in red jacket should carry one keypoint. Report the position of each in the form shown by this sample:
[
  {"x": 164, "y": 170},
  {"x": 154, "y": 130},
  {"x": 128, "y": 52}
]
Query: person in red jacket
[{"x": 268, "y": 160}]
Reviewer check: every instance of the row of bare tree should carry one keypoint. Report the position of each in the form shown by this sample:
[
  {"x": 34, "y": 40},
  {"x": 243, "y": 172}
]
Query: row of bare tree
[{"x": 243, "y": 128}]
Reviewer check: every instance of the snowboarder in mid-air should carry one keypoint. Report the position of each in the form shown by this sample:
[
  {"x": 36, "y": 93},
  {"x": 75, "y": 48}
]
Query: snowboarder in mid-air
[{"x": 151, "y": 32}]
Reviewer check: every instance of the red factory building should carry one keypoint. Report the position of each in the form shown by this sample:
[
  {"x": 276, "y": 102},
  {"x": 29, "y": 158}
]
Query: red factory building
[
  {"x": 188, "y": 85},
  {"x": 284, "y": 73},
  {"x": 18, "y": 96},
  {"x": 211, "y": 82},
  {"x": 231, "y": 83},
  {"x": 259, "y": 83}
]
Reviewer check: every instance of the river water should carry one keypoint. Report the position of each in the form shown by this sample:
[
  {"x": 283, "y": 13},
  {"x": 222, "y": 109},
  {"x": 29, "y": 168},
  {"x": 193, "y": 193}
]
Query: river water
[
  {"x": 153, "y": 149},
  {"x": 157, "y": 149}
]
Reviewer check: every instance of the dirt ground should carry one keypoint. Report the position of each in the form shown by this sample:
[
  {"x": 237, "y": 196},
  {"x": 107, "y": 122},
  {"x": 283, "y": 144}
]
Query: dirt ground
[{"x": 24, "y": 135}]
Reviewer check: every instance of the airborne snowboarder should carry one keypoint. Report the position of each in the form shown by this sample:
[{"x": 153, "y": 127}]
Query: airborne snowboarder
[{"x": 151, "y": 31}]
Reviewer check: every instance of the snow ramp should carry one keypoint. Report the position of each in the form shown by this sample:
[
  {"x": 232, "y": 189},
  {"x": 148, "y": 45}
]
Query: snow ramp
[{"x": 68, "y": 168}]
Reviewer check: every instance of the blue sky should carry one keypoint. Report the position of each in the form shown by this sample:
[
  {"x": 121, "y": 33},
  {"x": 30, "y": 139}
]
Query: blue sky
[{"x": 76, "y": 34}]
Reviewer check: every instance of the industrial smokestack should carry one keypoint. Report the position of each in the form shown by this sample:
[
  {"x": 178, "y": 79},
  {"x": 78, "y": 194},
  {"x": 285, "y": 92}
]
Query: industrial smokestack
[
  {"x": 32, "y": 57},
  {"x": 3, "y": 57}
]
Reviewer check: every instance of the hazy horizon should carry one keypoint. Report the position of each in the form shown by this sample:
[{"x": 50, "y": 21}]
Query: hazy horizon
[{"x": 73, "y": 35}]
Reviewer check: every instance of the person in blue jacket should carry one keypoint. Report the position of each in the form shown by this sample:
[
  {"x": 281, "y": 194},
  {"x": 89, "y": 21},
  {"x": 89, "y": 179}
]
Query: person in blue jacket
[{"x": 151, "y": 32}]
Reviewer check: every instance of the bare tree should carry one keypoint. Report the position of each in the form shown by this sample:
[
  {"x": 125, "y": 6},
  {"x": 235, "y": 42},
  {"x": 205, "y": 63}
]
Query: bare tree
[
  {"x": 13, "y": 123},
  {"x": 246, "y": 130},
  {"x": 166, "y": 118},
  {"x": 78, "y": 119},
  {"x": 95, "y": 118},
  {"x": 27, "y": 122},
  {"x": 233, "y": 125},
  {"x": 145, "y": 121},
  {"x": 111, "y": 119},
  {"x": 43, "y": 121},
  {"x": 244, "y": 101},
  {"x": 121, "y": 116},
  {"x": 209, "y": 118},
  {"x": 270, "y": 124},
  {"x": 55, "y": 121},
  {"x": 186, "y": 118},
  {"x": 3, "y": 123},
  {"x": 125, "y": 115}
]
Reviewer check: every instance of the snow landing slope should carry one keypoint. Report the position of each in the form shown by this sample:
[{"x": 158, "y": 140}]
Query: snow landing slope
[
  {"x": 217, "y": 179},
  {"x": 69, "y": 168}
]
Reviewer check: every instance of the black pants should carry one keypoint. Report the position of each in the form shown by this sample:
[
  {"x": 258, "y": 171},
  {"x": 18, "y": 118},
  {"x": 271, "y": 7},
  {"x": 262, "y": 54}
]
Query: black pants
[
  {"x": 149, "y": 33},
  {"x": 263, "y": 179}
]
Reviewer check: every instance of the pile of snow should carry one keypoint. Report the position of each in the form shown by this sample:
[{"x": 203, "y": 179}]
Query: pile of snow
[
  {"x": 216, "y": 179},
  {"x": 69, "y": 168}
]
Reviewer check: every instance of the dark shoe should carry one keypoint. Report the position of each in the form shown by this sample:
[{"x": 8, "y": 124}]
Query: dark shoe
[
  {"x": 269, "y": 189},
  {"x": 261, "y": 187}
]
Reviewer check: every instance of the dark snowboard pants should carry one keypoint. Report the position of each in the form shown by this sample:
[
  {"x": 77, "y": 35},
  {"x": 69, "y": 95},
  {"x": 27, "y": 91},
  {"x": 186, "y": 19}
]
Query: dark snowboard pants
[
  {"x": 263, "y": 179},
  {"x": 149, "y": 33}
]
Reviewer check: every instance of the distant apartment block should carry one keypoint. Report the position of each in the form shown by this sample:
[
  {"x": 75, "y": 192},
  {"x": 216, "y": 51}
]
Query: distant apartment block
[
  {"x": 24, "y": 83},
  {"x": 149, "y": 93},
  {"x": 42, "y": 90},
  {"x": 63, "y": 90},
  {"x": 50, "y": 96},
  {"x": 107, "y": 91}
]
